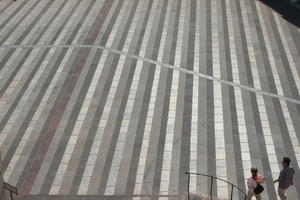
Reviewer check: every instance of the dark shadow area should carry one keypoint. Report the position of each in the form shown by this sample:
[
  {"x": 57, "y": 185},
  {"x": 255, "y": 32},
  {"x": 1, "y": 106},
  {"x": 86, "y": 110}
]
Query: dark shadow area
[{"x": 286, "y": 10}]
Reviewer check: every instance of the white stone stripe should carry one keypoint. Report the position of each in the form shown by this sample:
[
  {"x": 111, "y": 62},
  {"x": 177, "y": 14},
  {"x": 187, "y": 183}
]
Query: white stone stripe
[
  {"x": 145, "y": 144},
  {"x": 6, "y": 13},
  {"x": 167, "y": 156},
  {"x": 221, "y": 170},
  {"x": 146, "y": 38},
  {"x": 148, "y": 126},
  {"x": 45, "y": 166},
  {"x": 110, "y": 187},
  {"x": 103, "y": 122},
  {"x": 12, "y": 90},
  {"x": 288, "y": 52},
  {"x": 15, "y": 35},
  {"x": 78, "y": 125},
  {"x": 291, "y": 130},
  {"x": 55, "y": 25},
  {"x": 45, "y": 18},
  {"x": 269, "y": 50},
  {"x": 71, "y": 24},
  {"x": 182, "y": 70},
  {"x": 232, "y": 45},
  {"x": 19, "y": 16},
  {"x": 89, "y": 168},
  {"x": 261, "y": 106},
  {"x": 194, "y": 125},
  {"x": 38, "y": 112},
  {"x": 164, "y": 34},
  {"x": 245, "y": 154},
  {"x": 113, "y": 174},
  {"x": 119, "y": 21}
]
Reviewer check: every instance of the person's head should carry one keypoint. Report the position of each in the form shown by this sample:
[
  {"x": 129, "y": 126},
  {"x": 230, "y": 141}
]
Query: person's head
[
  {"x": 254, "y": 171},
  {"x": 285, "y": 161}
]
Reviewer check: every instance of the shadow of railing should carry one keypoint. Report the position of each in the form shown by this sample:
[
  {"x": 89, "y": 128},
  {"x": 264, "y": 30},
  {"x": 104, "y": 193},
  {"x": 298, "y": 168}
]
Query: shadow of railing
[{"x": 212, "y": 179}]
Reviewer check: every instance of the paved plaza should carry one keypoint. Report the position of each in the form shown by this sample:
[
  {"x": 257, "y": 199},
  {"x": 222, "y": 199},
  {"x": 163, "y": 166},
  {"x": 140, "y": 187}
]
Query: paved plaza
[{"x": 117, "y": 99}]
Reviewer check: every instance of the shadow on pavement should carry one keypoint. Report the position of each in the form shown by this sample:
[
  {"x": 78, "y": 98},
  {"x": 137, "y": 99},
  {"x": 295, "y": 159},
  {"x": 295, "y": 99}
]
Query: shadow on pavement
[{"x": 287, "y": 11}]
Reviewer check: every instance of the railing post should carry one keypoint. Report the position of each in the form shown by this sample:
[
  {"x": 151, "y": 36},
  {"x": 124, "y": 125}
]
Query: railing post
[
  {"x": 211, "y": 187},
  {"x": 188, "y": 191},
  {"x": 231, "y": 195},
  {"x": 1, "y": 180}
]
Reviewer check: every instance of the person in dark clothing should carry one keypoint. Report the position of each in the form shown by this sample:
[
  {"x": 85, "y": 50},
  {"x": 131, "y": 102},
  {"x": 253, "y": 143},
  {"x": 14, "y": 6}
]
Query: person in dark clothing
[{"x": 285, "y": 178}]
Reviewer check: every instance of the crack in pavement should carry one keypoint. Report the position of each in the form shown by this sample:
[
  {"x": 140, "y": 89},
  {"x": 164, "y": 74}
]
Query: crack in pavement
[{"x": 201, "y": 75}]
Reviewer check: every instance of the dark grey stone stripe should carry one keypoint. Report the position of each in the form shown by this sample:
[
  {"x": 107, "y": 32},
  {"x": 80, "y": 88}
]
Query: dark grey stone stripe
[
  {"x": 49, "y": 74},
  {"x": 235, "y": 172},
  {"x": 209, "y": 127},
  {"x": 159, "y": 125},
  {"x": 134, "y": 48},
  {"x": 188, "y": 101},
  {"x": 182, "y": 131},
  {"x": 12, "y": 14},
  {"x": 9, "y": 109},
  {"x": 295, "y": 37},
  {"x": 87, "y": 145},
  {"x": 75, "y": 111},
  {"x": 204, "y": 53},
  {"x": 130, "y": 158},
  {"x": 282, "y": 141},
  {"x": 284, "y": 69},
  {"x": 25, "y": 32},
  {"x": 5, "y": 7},
  {"x": 25, "y": 54},
  {"x": 258, "y": 152}
]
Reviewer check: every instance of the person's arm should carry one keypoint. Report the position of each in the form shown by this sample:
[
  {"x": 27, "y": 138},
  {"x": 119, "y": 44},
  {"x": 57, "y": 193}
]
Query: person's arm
[{"x": 279, "y": 178}]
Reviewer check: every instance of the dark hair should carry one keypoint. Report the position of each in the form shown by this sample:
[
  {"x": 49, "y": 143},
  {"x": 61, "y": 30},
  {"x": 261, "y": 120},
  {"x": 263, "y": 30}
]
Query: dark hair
[
  {"x": 286, "y": 160},
  {"x": 254, "y": 170}
]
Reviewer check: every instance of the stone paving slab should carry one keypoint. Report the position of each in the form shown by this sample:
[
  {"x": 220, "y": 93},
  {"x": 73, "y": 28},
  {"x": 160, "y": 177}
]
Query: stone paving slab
[{"x": 120, "y": 98}]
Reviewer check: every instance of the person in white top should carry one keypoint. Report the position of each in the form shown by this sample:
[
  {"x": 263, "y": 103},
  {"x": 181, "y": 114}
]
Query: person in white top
[{"x": 252, "y": 183}]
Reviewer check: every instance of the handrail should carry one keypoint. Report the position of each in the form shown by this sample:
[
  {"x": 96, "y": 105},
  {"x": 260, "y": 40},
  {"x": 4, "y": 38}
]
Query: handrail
[
  {"x": 214, "y": 177},
  {"x": 9, "y": 187}
]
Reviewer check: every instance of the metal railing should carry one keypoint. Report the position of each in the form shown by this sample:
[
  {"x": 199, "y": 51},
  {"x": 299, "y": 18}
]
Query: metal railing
[
  {"x": 211, "y": 185},
  {"x": 6, "y": 186}
]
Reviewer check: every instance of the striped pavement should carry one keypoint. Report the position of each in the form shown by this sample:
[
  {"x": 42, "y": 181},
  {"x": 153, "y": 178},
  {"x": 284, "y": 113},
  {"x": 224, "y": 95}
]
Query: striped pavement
[{"x": 118, "y": 99}]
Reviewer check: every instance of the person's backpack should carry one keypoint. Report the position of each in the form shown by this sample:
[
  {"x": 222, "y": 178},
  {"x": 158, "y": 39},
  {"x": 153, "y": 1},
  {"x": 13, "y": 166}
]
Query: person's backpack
[{"x": 259, "y": 189}]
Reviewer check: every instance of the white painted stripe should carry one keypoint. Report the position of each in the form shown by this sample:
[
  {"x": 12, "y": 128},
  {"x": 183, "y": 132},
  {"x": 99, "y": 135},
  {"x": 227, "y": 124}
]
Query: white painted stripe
[
  {"x": 167, "y": 157},
  {"x": 194, "y": 123}
]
